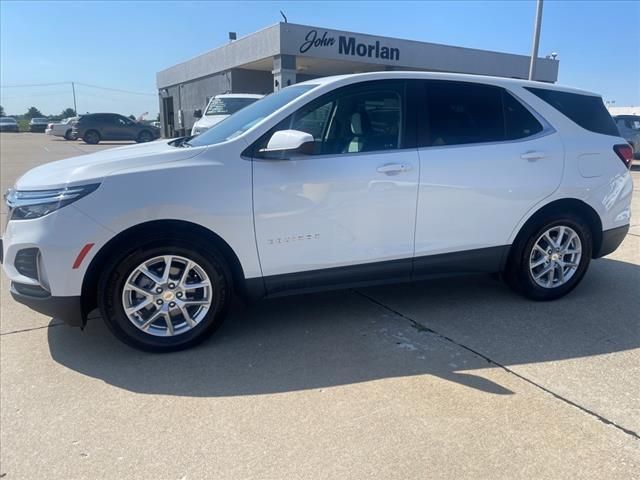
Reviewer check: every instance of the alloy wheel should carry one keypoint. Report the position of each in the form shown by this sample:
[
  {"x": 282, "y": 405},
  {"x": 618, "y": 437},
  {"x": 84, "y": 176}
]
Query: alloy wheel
[
  {"x": 167, "y": 295},
  {"x": 555, "y": 256}
]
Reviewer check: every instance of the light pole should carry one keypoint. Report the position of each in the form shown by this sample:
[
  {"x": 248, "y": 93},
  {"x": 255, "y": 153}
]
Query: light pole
[
  {"x": 73, "y": 88},
  {"x": 536, "y": 40}
]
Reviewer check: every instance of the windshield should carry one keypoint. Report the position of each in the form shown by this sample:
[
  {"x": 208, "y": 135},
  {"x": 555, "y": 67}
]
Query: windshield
[
  {"x": 629, "y": 122},
  {"x": 227, "y": 106},
  {"x": 7, "y": 120},
  {"x": 243, "y": 120}
]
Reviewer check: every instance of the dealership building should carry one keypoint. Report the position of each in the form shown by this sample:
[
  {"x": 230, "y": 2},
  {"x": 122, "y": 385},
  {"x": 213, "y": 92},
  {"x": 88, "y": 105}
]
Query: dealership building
[{"x": 286, "y": 53}]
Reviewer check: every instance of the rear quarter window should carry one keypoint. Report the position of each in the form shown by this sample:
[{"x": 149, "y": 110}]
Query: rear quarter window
[{"x": 586, "y": 110}]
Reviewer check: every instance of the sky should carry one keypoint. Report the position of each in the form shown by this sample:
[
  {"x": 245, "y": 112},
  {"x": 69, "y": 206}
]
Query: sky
[{"x": 121, "y": 45}]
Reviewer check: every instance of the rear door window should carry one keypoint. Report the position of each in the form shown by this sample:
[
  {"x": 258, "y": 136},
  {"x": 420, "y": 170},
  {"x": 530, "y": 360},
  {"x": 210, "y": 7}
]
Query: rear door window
[
  {"x": 462, "y": 113},
  {"x": 588, "y": 111},
  {"x": 518, "y": 121}
]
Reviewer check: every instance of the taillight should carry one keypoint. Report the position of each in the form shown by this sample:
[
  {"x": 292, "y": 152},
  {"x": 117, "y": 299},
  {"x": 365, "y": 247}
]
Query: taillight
[{"x": 625, "y": 153}]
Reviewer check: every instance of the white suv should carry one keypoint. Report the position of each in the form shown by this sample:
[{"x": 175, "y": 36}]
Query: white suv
[
  {"x": 342, "y": 181},
  {"x": 221, "y": 107}
]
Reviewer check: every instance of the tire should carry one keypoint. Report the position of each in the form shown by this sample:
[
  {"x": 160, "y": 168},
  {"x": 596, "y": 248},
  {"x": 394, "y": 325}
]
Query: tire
[
  {"x": 144, "y": 137},
  {"x": 123, "y": 270},
  {"x": 91, "y": 137},
  {"x": 68, "y": 135},
  {"x": 520, "y": 275}
]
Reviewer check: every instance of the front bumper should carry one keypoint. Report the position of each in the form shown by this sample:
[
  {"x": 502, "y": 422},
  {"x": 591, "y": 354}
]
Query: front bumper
[
  {"x": 611, "y": 240},
  {"x": 59, "y": 237},
  {"x": 67, "y": 309}
]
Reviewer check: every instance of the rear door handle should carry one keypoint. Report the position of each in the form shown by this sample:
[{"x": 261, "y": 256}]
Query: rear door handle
[
  {"x": 533, "y": 155},
  {"x": 394, "y": 168}
]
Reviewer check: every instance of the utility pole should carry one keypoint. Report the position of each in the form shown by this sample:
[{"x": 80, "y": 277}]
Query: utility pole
[
  {"x": 536, "y": 40},
  {"x": 73, "y": 88}
]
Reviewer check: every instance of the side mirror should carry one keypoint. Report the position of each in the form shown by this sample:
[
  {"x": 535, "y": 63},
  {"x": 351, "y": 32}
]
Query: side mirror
[
  {"x": 283, "y": 142},
  {"x": 197, "y": 113}
]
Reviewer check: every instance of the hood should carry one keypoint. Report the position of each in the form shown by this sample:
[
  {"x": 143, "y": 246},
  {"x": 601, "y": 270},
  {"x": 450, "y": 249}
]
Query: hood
[
  {"x": 208, "y": 121},
  {"x": 95, "y": 166}
]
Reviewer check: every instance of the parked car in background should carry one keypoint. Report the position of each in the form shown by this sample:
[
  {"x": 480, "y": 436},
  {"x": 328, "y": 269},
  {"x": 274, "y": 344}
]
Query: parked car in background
[
  {"x": 95, "y": 127},
  {"x": 629, "y": 126},
  {"x": 38, "y": 125},
  {"x": 63, "y": 128},
  {"x": 351, "y": 180},
  {"x": 8, "y": 124},
  {"x": 219, "y": 108}
]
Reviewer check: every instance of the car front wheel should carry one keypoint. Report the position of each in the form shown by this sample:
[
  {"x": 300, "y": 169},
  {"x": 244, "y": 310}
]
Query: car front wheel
[
  {"x": 144, "y": 137},
  {"x": 165, "y": 295},
  {"x": 550, "y": 258}
]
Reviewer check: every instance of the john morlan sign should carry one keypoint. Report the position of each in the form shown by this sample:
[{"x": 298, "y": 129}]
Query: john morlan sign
[{"x": 349, "y": 46}]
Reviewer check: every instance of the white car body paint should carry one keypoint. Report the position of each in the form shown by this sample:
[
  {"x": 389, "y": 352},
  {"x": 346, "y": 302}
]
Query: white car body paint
[
  {"x": 60, "y": 129},
  {"x": 327, "y": 211}
]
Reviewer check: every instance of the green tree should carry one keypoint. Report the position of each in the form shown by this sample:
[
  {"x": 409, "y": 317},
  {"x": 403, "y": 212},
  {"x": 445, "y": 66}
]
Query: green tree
[
  {"x": 1, "y": 111},
  {"x": 68, "y": 112},
  {"x": 33, "y": 112}
]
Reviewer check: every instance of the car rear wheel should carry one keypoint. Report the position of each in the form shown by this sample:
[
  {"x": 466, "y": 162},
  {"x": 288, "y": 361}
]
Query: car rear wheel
[
  {"x": 550, "y": 258},
  {"x": 144, "y": 137},
  {"x": 68, "y": 135},
  {"x": 166, "y": 294},
  {"x": 91, "y": 137}
]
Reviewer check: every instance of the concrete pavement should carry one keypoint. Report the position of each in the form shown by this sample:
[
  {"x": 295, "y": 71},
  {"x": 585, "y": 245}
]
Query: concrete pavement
[{"x": 457, "y": 378}]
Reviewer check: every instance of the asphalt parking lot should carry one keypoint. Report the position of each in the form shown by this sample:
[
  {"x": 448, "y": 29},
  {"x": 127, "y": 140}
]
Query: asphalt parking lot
[{"x": 456, "y": 378}]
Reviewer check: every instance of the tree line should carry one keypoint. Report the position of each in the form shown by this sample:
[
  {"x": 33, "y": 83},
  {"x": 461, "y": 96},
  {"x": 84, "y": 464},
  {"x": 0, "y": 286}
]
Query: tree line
[{"x": 34, "y": 112}]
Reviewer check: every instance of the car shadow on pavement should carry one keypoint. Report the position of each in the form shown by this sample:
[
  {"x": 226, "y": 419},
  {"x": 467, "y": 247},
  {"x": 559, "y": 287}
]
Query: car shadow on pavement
[{"x": 339, "y": 338}]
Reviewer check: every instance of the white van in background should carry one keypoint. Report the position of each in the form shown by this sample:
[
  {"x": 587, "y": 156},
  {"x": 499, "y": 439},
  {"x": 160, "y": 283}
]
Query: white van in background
[{"x": 219, "y": 108}]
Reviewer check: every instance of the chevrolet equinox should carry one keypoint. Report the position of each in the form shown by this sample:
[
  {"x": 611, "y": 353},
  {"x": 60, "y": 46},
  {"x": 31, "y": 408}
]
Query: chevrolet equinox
[{"x": 350, "y": 180}]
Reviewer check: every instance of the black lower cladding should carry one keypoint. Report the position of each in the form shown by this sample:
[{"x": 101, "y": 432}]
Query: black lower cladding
[
  {"x": 611, "y": 240},
  {"x": 482, "y": 260},
  {"x": 67, "y": 309}
]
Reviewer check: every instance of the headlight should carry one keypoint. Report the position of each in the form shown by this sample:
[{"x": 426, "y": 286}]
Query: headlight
[{"x": 28, "y": 204}]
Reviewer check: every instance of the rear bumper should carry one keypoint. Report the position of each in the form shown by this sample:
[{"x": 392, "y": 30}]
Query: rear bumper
[
  {"x": 67, "y": 309},
  {"x": 611, "y": 240}
]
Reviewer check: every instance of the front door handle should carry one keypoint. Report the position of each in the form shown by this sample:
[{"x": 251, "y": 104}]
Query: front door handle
[
  {"x": 532, "y": 155},
  {"x": 394, "y": 168}
]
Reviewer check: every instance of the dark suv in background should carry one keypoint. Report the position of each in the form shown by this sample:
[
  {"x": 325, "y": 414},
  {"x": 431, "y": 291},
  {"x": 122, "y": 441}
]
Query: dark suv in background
[{"x": 94, "y": 127}]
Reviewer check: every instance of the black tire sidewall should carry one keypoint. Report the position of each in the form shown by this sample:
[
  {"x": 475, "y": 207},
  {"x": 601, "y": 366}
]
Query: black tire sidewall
[
  {"x": 146, "y": 134},
  {"x": 519, "y": 264},
  {"x": 116, "y": 273},
  {"x": 67, "y": 135},
  {"x": 97, "y": 137}
]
